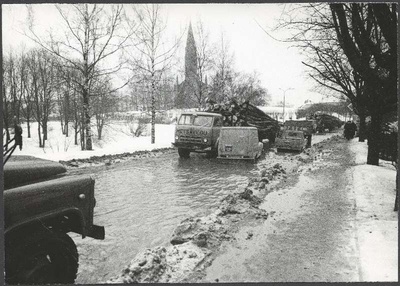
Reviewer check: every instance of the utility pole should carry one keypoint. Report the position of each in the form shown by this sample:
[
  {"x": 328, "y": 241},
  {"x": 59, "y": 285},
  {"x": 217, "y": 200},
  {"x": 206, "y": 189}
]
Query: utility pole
[{"x": 284, "y": 95}]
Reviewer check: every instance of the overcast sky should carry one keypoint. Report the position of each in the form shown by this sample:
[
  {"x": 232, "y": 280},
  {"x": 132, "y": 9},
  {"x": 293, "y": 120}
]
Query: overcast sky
[{"x": 278, "y": 65}]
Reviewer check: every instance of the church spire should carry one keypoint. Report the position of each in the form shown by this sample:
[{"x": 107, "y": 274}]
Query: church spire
[{"x": 190, "y": 55}]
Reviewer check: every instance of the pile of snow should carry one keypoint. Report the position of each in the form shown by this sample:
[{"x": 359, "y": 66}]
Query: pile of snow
[
  {"x": 377, "y": 226},
  {"x": 162, "y": 264},
  {"x": 117, "y": 139},
  {"x": 192, "y": 243}
]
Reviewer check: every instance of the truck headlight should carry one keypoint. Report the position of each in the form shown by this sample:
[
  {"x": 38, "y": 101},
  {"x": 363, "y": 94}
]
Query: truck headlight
[
  {"x": 176, "y": 137},
  {"x": 205, "y": 140}
]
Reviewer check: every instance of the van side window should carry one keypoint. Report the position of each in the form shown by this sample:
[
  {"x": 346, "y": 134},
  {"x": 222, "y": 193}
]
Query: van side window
[{"x": 217, "y": 122}]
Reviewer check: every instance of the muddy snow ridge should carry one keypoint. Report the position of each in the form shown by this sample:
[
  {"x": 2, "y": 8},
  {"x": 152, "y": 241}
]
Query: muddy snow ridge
[
  {"x": 113, "y": 159},
  {"x": 196, "y": 239}
]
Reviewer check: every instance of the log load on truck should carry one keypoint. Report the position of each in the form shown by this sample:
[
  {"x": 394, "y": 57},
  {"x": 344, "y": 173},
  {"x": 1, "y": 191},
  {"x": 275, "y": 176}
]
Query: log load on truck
[
  {"x": 199, "y": 131},
  {"x": 246, "y": 114}
]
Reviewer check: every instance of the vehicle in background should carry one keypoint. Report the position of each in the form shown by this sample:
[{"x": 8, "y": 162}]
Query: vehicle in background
[
  {"x": 307, "y": 126},
  {"x": 239, "y": 143},
  {"x": 326, "y": 122},
  {"x": 291, "y": 140},
  {"x": 197, "y": 132}
]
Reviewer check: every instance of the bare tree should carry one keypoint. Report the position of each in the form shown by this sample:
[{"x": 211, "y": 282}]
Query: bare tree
[
  {"x": 311, "y": 29},
  {"x": 35, "y": 89},
  {"x": 154, "y": 56},
  {"x": 26, "y": 91},
  {"x": 91, "y": 35},
  {"x": 248, "y": 88},
  {"x": 104, "y": 104},
  {"x": 205, "y": 61},
  {"x": 6, "y": 97},
  {"x": 370, "y": 45},
  {"x": 48, "y": 81},
  {"x": 224, "y": 73}
]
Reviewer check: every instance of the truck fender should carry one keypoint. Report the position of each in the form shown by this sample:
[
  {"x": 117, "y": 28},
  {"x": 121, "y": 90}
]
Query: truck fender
[{"x": 74, "y": 215}]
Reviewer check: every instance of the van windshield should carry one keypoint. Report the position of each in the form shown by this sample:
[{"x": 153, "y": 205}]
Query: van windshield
[{"x": 205, "y": 121}]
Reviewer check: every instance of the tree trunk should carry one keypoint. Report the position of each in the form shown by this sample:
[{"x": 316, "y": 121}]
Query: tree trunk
[
  {"x": 100, "y": 125},
  {"x": 76, "y": 125},
  {"x": 62, "y": 124},
  {"x": 87, "y": 126},
  {"x": 82, "y": 131},
  {"x": 28, "y": 124},
  {"x": 374, "y": 137},
  {"x": 362, "y": 132},
  {"x": 66, "y": 130},
  {"x": 99, "y": 132},
  {"x": 40, "y": 136},
  {"x": 396, "y": 202},
  {"x": 76, "y": 135},
  {"x": 44, "y": 124},
  {"x": 153, "y": 113},
  {"x": 5, "y": 119},
  {"x": 66, "y": 115}
]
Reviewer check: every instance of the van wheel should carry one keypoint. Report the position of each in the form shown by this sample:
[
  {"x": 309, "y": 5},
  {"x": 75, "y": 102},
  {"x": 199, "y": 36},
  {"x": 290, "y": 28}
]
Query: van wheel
[
  {"x": 184, "y": 153},
  {"x": 44, "y": 257}
]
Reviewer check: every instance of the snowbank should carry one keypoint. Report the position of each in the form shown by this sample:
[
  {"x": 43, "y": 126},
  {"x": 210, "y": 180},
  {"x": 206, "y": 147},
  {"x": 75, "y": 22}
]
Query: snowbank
[
  {"x": 117, "y": 139},
  {"x": 377, "y": 223}
]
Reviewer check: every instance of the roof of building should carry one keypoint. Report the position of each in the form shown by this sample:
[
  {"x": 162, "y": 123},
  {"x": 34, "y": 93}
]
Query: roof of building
[
  {"x": 201, "y": 113},
  {"x": 277, "y": 109}
]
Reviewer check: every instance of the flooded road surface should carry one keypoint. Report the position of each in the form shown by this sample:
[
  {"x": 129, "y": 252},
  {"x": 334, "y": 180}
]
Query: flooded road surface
[{"x": 140, "y": 202}]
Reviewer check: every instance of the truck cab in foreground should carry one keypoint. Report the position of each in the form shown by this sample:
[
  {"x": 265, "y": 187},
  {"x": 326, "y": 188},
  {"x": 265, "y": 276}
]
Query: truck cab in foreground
[
  {"x": 42, "y": 205},
  {"x": 197, "y": 132}
]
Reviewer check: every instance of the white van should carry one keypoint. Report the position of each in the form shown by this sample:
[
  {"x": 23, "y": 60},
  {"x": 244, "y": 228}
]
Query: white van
[{"x": 239, "y": 143}]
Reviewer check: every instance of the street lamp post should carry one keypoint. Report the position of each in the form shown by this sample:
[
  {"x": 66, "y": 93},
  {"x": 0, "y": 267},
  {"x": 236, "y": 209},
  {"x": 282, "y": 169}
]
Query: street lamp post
[{"x": 284, "y": 95}]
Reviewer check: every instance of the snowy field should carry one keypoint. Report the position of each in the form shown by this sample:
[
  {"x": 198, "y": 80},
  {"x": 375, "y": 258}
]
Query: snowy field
[{"x": 117, "y": 139}]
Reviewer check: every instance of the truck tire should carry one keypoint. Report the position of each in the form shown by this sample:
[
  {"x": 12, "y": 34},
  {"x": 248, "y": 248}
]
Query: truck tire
[
  {"x": 184, "y": 153},
  {"x": 44, "y": 257}
]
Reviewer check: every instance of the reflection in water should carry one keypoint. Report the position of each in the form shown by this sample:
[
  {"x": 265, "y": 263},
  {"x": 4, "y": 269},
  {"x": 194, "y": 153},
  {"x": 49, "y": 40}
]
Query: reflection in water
[{"x": 140, "y": 202}]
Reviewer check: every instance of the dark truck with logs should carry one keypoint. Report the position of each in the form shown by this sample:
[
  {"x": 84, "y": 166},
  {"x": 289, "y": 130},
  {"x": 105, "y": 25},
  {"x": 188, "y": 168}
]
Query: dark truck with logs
[
  {"x": 41, "y": 206},
  {"x": 199, "y": 131}
]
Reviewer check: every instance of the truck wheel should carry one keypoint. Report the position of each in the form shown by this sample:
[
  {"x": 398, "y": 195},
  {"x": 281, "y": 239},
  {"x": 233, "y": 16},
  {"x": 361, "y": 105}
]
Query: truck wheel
[
  {"x": 184, "y": 153},
  {"x": 44, "y": 257}
]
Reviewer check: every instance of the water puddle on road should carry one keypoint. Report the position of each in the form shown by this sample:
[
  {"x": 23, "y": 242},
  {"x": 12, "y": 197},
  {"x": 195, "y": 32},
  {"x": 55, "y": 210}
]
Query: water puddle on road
[{"x": 140, "y": 202}]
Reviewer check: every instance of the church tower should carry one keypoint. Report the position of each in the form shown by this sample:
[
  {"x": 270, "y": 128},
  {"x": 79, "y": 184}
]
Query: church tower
[
  {"x": 190, "y": 56},
  {"x": 188, "y": 90}
]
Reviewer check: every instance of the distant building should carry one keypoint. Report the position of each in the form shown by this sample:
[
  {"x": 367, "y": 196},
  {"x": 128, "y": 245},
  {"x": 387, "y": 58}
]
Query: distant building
[
  {"x": 340, "y": 109},
  {"x": 189, "y": 89},
  {"x": 276, "y": 112}
]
